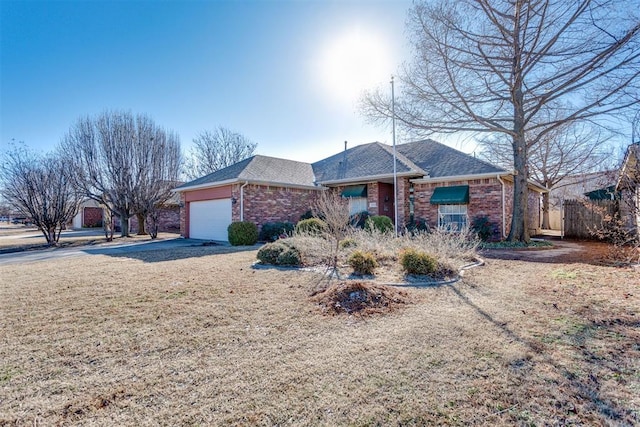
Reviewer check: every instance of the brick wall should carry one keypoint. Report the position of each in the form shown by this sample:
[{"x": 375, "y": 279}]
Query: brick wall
[
  {"x": 264, "y": 204},
  {"x": 485, "y": 199},
  {"x": 91, "y": 217}
]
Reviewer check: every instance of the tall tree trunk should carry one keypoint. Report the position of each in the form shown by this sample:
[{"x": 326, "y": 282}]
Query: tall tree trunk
[
  {"x": 546, "y": 222},
  {"x": 142, "y": 230},
  {"x": 124, "y": 225},
  {"x": 519, "y": 228}
]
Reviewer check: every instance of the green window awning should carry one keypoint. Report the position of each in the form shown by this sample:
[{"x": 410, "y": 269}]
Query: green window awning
[
  {"x": 456, "y": 195},
  {"x": 355, "y": 191}
]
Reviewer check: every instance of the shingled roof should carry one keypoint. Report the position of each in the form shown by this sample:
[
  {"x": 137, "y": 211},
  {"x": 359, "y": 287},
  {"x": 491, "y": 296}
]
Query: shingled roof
[
  {"x": 261, "y": 169},
  {"x": 363, "y": 162},
  {"x": 419, "y": 159},
  {"x": 439, "y": 160}
]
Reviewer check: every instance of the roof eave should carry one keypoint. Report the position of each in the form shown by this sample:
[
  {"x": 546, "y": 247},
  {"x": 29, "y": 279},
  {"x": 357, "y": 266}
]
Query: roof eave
[
  {"x": 206, "y": 185},
  {"x": 365, "y": 179},
  {"x": 250, "y": 181},
  {"x": 428, "y": 179},
  {"x": 506, "y": 174}
]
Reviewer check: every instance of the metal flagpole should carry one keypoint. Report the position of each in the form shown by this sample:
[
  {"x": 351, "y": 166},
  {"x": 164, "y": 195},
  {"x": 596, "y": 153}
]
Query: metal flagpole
[{"x": 395, "y": 170}]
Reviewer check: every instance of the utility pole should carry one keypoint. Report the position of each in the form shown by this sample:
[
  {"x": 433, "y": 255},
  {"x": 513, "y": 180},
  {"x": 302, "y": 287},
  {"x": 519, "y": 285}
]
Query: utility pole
[{"x": 395, "y": 170}]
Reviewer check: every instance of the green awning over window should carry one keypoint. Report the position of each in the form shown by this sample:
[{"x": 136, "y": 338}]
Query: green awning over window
[
  {"x": 456, "y": 195},
  {"x": 355, "y": 191}
]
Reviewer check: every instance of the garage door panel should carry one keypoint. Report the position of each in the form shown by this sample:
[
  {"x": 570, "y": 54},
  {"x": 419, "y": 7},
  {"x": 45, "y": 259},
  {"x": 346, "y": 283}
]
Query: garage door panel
[{"x": 209, "y": 219}]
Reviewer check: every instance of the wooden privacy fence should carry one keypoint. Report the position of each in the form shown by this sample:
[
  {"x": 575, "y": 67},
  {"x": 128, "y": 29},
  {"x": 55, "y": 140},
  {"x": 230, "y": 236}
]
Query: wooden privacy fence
[{"x": 583, "y": 217}]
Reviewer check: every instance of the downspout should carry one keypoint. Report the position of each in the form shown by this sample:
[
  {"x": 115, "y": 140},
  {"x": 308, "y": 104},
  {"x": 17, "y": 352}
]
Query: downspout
[
  {"x": 242, "y": 200},
  {"x": 504, "y": 209}
]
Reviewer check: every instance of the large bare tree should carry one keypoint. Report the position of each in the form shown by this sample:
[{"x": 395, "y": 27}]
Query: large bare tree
[
  {"x": 215, "y": 150},
  {"x": 41, "y": 188},
  {"x": 158, "y": 161},
  {"x": 124, "y": 162},
  {"x": 495, "y": 65}
]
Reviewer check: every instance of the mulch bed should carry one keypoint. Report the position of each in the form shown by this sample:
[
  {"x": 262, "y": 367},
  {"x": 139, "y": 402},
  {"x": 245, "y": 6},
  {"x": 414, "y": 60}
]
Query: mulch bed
[{"x": 362, "y": 298}]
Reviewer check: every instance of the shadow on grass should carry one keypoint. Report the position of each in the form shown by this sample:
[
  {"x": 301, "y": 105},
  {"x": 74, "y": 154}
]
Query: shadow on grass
[
  {"x": 586, "y": 387},
  {"x": 168, "y": 250}
]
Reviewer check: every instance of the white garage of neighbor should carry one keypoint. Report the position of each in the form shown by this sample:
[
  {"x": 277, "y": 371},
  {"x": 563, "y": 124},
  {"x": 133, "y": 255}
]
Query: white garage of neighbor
[{"x": 209, "y": 219}]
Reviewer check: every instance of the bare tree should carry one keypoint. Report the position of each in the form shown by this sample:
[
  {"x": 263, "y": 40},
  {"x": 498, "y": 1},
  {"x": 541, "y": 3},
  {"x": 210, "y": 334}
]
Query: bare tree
[
  {"x": 570, "y": 149},
  {"x": 41, "y": 188},
  {"x": 113, "y": 157},
  {"x": 334, "y": 211},
  {"x": 158, "y": 162},
  {"x": 495, "y": 65},
  {"x": 215, "y": 150}
]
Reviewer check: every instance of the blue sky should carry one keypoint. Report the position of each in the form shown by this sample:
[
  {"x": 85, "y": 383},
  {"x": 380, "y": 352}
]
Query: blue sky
[{"x": 284, "y": 73}]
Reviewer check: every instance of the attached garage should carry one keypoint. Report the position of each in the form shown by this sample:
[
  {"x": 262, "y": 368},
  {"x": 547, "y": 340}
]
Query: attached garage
[{"x": 209, "y": 219}]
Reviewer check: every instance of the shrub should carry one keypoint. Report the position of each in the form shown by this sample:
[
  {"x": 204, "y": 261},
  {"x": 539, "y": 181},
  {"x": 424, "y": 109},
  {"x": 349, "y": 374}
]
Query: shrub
[
  {"x": 313, "y": 226},
  {"x": 348, "y": 243},
  {"x": 362, "y": 262},
  {"x": 419, "y": 263},
  {"x": 242, "y": 233},
  {"x": 358, "y": 220},
  {"x": 418, "y": 225},
  {"x": 484, "y": 228},
  {"x": 379, "y": 222},
  {"x": 280, "y": 252},
  {"x": 271, "y": 231}
]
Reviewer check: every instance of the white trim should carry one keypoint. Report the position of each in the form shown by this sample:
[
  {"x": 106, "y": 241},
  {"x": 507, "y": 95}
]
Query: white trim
[
  {"x": 429, "y": 180},
  {"x": 364, "y": 179},
  {"x": 509, "y": 176},
  {"x": 242, "y": 200},
  {"x": 237, "y": 181},
  {"x": 207, "y": 185}
]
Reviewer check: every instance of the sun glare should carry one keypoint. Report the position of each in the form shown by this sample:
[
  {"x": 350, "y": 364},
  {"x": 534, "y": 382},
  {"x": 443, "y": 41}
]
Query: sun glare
[{"x": 353, "y": 62}]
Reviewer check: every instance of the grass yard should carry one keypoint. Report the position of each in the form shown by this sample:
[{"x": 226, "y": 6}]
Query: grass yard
[{"x": 198, "y": 337}]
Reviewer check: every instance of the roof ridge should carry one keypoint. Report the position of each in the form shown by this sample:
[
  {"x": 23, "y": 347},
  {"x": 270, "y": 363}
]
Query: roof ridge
[{"x": 402, "y": 158}]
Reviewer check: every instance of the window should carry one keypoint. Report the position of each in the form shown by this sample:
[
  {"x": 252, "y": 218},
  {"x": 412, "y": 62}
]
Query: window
[
  {"x": 357, "y": 205},
  {"x": 452, "y": 217}
]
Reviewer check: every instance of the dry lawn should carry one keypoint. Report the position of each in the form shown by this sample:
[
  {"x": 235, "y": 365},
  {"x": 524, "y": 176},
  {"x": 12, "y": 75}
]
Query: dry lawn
[{"x": 198, "y": 337}]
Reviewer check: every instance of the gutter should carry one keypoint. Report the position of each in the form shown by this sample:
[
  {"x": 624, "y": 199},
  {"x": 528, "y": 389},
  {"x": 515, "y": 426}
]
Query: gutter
[
  {"x": 236, "y": 180},
  {"x": 504, "y": 208},
  {"x": 364, "y": 179},
  {"x": 242, "y": 200},
  {"x": 426, "y": 180}
]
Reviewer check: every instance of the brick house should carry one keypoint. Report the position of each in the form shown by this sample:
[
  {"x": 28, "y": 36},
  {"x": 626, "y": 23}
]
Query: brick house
[{"x": 437, "y": 183}]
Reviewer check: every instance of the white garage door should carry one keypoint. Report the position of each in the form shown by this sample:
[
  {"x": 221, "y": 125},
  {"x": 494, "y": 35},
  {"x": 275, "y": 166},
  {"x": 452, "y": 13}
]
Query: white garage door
[{"x": 209, "y": 219}]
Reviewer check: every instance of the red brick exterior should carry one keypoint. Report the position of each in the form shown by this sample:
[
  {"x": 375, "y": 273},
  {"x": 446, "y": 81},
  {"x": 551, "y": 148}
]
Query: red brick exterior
[
  {"x": 264, "y": 203},
  {"x": 91, "y": 217}
]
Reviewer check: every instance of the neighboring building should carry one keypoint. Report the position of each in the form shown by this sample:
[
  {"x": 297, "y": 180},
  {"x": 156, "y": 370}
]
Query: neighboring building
[
  {"x": 89, "y": 215},
  {"x": 629, "y": 186},
  {"x": 439, "y": 184}
]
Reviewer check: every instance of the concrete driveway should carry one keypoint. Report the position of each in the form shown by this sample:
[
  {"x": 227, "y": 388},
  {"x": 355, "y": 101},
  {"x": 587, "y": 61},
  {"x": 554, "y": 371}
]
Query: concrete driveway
[{"x": 102, "y": 249}]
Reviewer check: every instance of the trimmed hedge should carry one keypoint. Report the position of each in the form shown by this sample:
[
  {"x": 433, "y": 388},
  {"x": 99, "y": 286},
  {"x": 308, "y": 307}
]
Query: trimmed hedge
[
  {"x": 314, "y": 226},
  {"x": 280, "y": 252},
  {"x": 379, "y": 222},
  {"x": 418, "y": 263},
  {"x": 484, "y": 228},
  {"x": 272, "y": 231},
  {"x": 363, "y": 263},
  {"x": 242, "y": 233}
]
